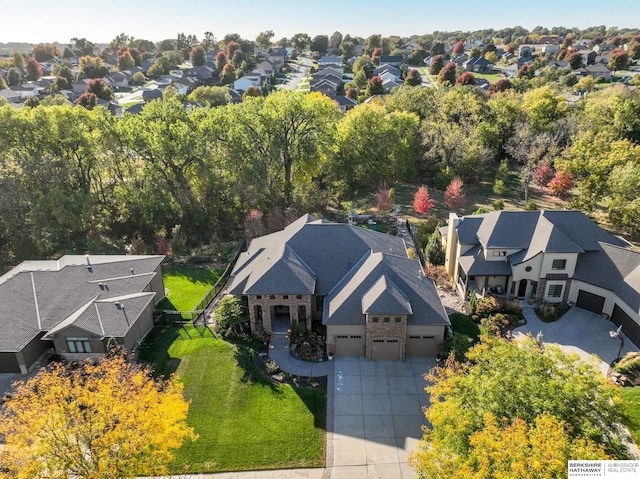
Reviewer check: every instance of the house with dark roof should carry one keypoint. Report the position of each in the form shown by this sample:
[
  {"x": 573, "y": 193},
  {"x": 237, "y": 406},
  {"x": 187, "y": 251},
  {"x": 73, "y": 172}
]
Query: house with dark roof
[
  {"x": 373, "y": 299},
  {"x": 479, "y": 64},
  {"x": 394, "y": 61},
  {"x": 553, "y": 256},
  {"x": 76, "y": 306}
]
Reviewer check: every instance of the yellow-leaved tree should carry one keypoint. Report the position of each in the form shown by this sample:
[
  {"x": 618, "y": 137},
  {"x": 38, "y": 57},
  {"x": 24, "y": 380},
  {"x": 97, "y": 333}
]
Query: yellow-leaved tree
[{"x": 88, "y": 420}]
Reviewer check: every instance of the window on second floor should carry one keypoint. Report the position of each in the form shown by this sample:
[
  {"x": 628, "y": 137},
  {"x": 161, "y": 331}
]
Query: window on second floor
[
  {"x": 559, "y": 264},
  {"x": 499, "y": 253},
  {"x": 555, "y": 290}
]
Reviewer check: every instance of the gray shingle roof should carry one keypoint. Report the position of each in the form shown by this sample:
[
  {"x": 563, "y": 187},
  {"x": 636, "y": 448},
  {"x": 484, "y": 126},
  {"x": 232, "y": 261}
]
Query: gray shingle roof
[
  {"x": 613, "y": 268},
  {"x": 344, "y": 304},
  {"x": 60, "y": 288},
  {"x": 385, "y": 297},
  {"x": 329, "y": 250},
  {"x": 474, "y": 264}
]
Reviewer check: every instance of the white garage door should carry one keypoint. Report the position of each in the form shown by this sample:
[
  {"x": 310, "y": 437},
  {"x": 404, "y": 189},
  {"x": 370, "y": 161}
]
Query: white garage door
[
  {"x": 349, "y": 345},
  {"x": 421, "y": 346},
  {"x": 386, "y": 349}
]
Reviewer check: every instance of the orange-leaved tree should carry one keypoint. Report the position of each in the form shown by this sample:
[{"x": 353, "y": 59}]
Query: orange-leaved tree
[{"x": 89, "y": 420}]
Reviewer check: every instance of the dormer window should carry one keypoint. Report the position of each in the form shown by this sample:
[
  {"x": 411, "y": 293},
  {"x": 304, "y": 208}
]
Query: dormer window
[
  {"x": 559, "y": 264},
  {"x": 499, "y": 253}
]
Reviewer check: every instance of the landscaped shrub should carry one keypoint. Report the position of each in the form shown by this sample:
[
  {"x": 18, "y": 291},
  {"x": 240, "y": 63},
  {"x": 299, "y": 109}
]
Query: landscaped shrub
[
  {"x": 629, "y": 363},
  {"x": 473, "y": 302},
  {"x": 486, "y": 306},
  {"x": 531, "y": 206},
  {"x": 549, "y": 312},
  {"x": 459, "y": 344},
  {"x": 271, "y": 366},
  {"x": 422, "y": 230},
  {"x": 498, "y": 205},
  {"x": 509, "y": 306},
  {"x": 495, "y": 323}
]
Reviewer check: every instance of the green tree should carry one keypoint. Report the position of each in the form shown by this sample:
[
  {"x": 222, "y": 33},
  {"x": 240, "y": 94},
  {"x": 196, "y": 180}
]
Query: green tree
[
  {"x": 99, "y": 88},
  {"x": 3, "y": 84},
  {"x": 529, "y": 381},
  {"x": 228, "y": 74},
  {"x": 320, "y": 44},
  {"x": 619, "y": 60},
  {"x": 230, "y": 314},
  {"x": 624, "y": 206},
  {"x": 413, "y": 78},
  {"x": 434, "y": 250},
  {"x": 300, "y": 41},
  {"x": 374, "y": 86},
  {"x": 106, "y": 407},
  {"x": 18, "y": 60},
  {"x": 221, "y": 61},
  {"x": 198, "y": 56},
  {"x": 138, "y": 78},
  {"x": 543, "y": 108},
  {"x": 210, "y": 95},
  {"x": 263, "y": 40}
]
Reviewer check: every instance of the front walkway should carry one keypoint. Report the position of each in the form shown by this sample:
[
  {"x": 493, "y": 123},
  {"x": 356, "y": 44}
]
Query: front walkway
[{"x": 279, "y": 352}]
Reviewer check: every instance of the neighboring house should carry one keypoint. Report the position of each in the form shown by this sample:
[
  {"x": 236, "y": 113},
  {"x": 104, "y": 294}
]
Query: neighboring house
[
  {"x": 118, "y": 80},
  {"x": 337, "y": 72},
  {"x": 76, "y": 306},
  {"x": 236, "y": 95},
  {"x": 548, "y": 256},
  {"x": 242, "y": 84},
  {"x": 478, "y": 65},
  {"x": 525, "y": 51},
  {"x": 26, "y": 90},
  {"x": 386, "y": 69},
  {"x": 11, "y": 96},
  {"x": 328, "y": 85},
  {"x": 202, "y": 73},
  {"x": 460, "y": 58},
  {"x": 344, "y": 103},
  {"x": 389, "y": 84},
  {"x": 114, "y": 108},
  {"x": 150, "y": 95},
  {"x": 135, "y": 109},
  {"x": 328, "y": 61},
  {"x": 599, "y": 70},
  {"x": 373, "y": 299},
  {"x": 278, "y": 57},
  {"x": 146, "y": 64},
  {"x": 185, "y": 85},
  {"x": 551, "y": 48},
  {"x": 80, "y": 87},
  {"x": 268, "y": 67},
  {"x": 394, "y": 61}
]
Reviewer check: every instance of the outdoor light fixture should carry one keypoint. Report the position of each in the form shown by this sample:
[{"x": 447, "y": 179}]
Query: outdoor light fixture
[{"x": 616, "y": 334}]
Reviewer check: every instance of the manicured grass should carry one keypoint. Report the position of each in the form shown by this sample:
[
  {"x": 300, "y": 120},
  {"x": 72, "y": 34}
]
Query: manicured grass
[
  {"x": 631, "y": 398},
  {"x": 187, "y": 286},
  {"x": 245, "y": 420},
  {"x": 490, "y": 77},
  {"x": 463, "y": 324}
]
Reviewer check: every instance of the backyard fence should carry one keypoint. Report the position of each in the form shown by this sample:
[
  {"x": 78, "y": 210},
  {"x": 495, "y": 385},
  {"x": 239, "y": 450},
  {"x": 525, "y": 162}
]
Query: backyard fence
[{"x": 196, "y": 315}]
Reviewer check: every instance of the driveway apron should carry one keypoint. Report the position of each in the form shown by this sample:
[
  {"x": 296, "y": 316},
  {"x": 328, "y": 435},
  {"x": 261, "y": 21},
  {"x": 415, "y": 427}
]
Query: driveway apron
[{"x": 377, "y": 416}]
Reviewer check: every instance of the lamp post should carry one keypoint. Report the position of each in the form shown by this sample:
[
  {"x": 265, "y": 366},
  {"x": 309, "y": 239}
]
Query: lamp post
[{"x": 616, "y": 334}]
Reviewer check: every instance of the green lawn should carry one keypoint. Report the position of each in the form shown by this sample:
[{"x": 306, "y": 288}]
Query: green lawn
[
  {"x": 187, "y": 286},
  {"x": 245, "y": 420},
  {"x": 490, "y": 77},
  {"x": 631, "y": 397},
  {"x": 463, "y": 324}
]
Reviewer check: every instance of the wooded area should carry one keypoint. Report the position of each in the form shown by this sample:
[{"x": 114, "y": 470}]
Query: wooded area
[{"x": 75, "y": 180}]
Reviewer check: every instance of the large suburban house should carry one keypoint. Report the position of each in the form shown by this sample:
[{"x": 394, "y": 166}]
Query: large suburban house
[
  {"x": 76, "y": 306},
  {"x": 374, "y": 300},
  {"x": 548, "y": 256}
]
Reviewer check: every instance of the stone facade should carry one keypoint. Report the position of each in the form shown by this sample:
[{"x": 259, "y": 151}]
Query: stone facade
[
  {"x": 262, "y": 308},
  {"x": 379, "y": 328}
]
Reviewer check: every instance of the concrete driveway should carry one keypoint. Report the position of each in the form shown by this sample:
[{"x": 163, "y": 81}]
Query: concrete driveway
[
  {"x": 578, "y": 331},
  {"x": 377, "y": 416}
]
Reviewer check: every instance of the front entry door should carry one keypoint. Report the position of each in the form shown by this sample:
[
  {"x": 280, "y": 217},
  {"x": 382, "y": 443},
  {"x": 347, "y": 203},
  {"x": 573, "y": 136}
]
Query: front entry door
[{"x": 522, "y": 288}]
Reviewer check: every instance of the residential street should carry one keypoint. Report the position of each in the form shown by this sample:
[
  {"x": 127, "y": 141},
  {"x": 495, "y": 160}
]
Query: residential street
[{"x": 299, "y": 74}]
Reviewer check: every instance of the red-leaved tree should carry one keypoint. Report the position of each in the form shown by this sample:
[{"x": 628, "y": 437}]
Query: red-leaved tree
[
  {"x": 447, "y": 74},
  {"x": 384, "y": 201},
  {"x": 499, "y": 86},
  {"x": 454, "y": 195},
  {"x": 561, "y": 183},
  {"x": 422, "y": 202},
  {"x": 458, "y": 48},
  {"x": 34, "y": 71},
  {"x": 253, "y": 225},
  {"x": 87, "y": 100},
  {"x": 543, "y": 174},
  {"x": 163, "y": 246},
  {"x": 466, "y": 78}
]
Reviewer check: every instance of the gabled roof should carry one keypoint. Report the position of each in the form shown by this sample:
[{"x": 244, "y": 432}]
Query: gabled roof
[
  {"x": 613, "y": 268},
  {"x": 37, "y": 296},
  {"x": 280, "y": 271},
  {"x": 384, "y": 297},
  {"x": 328, "y": 250},
  {"x": 344, "y": 304}
]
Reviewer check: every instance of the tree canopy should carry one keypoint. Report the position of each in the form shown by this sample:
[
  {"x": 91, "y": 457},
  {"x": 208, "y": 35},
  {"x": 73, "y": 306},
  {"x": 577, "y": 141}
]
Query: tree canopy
[
  {"x": 556, "y": 406},
  {"x": 104, "y": 420}
]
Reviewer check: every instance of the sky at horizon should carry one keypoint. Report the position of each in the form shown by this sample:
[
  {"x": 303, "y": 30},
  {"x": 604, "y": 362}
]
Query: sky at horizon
[{"x": 40, "y": 22}]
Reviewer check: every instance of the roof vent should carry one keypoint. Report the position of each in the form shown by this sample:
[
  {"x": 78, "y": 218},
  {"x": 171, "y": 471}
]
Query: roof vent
[
  {"x": 131, "y": 270},
  {"x": 86, "y": 257},
  {"x": 101, "y": 286},
  {"x": 118, "y": 305}
]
